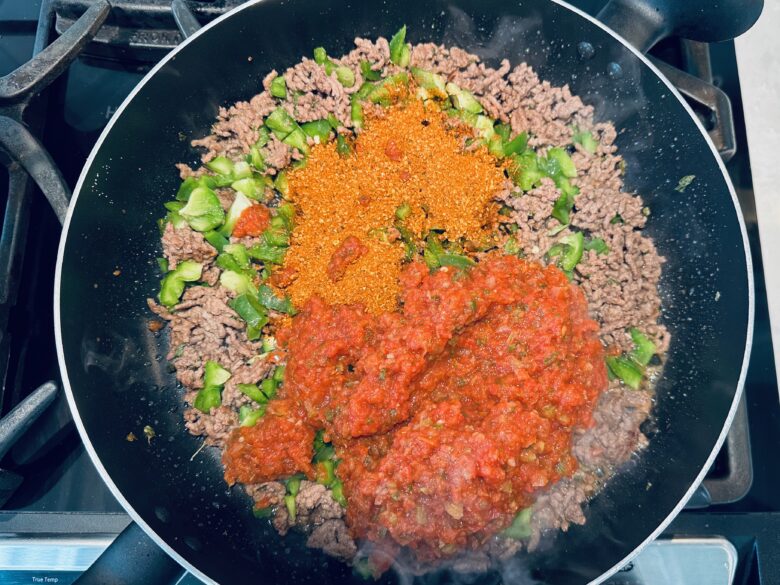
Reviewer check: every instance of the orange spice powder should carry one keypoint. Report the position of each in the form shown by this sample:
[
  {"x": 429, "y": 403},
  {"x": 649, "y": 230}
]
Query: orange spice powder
[{"x": 407, "y": 156}]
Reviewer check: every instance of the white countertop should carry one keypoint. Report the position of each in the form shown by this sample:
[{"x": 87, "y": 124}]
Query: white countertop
[{"x": 758, "y": 59}]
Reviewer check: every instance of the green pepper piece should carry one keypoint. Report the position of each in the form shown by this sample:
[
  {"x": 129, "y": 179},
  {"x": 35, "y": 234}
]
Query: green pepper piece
[
  {"x": 221, "y": 165},
  {"x": 281, "y": 184},
  {"x": 263, "y": 136},
  {"x": 280, "y": 123},
  {"x": 238, "y": 282},
  {"x": 268, "y": 387},
  {"x": 644, "y": 349},
  {"x": 297, "y": 139},
  {"x": 208, "y": 181},
  {"x": 187, "y": 186},
  {"x": 322, "y": 450},
  {"x": 573, "y": 253},
  {"x": 556, "y": 250},
  {"x": 250, "y": 187},
  {"x": 289, "y": 502},
  {"x": 203, "y": 211},
  {"x": 342, "y": 146},
  {"x": 318, "y": 439},
  {"x": 433, "y": 244},
  {"x": 294, "y": 485},
  {"x": 356, "y": 114},
  {"x": 330, "y": 472},
  {"x": 277, "y": 237},
  {"x": 171, "y": 289},
  {"x": 517, "y": 145},
  {"x": 345, "y": 76},
  {"x": 403, "y": 211},
  {"x": 286, "y": 211},
  {"x": 585, "y": 139},
  {"x": 400, "y": 51},
  {"x": 261, "y": 513},
  {"x": 241, "y": 170},
  {"x": 456, "y": 261},
  {"x": 214, "y": 374},
  {"x": 408, "y": 239},
  {"x": 563, "y": 163},
  {"x": 364, "y": 569},
  {"x": 684, "y": 182},
  {"x": 512, "y": 247},
  {"x": 520, "y": 529},
  {"x": 320, "y": 55},
  {"x": 495, "y": 146},
  {"x": 504, "y": 131},
  {"x": 251, "y": 311},
  {"x": 324, "y": 453},
  {"x": 484, "y": 126},
  {"x": 228, "y": 262},
  {"x": 172, "y": 217},
  {"x": 208, "y": 398},
  {"x": 333, "y": 121},
  {"x": 216, "y": 239},
  {"x": 162, "y": 264},
  {"x": 431, "y": 259},
  {"x": 337, "y": 493},
  {"x": 173, "y": 205},
  {"x": 253, "y": 392},
  {"x": 365, "y": 90},
  {"x": 248, "y": 416},
  {"x": 317, "y": 129},
  {"x": 432, "y": 82},
  {"x": 525, "y": 170},
  {"x": 266, "y": 253},
  {"x": 172, "y": 285},
  {"x": 269, "y": 300},
  {"x": 597, "y": 244},
  {"x": 381, "y": 92},
  {"x": 626, "y": 369},
  {"x": 562, "y": 208},
  {"x": 279, "y": 374},
  {"x": 238, "y": 251},
  {"x": 278, "y": 87},
  {"x": 463, "y": 99},
  {"x": 368, "y": 73}
]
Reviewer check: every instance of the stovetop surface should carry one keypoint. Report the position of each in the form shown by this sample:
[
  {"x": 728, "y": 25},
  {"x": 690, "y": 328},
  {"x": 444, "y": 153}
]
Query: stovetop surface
[{"x": 59, "y": 477}]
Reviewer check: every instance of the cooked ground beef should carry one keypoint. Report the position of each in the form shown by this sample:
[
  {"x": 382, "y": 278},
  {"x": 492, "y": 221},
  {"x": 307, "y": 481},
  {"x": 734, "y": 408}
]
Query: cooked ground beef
[
  {"x": 621, "y": 286},
  {"x": 185, "y": 244},
  {"x": 317, "y": 514}
]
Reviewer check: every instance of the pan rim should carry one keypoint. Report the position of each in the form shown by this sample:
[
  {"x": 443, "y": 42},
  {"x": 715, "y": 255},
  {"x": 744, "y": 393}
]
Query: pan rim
[{"x": 136, "y": 517}]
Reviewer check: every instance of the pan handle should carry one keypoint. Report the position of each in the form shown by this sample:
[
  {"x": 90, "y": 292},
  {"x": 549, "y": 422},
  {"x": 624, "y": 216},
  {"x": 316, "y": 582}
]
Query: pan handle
[
  {"x": 645, "y": 22},
  {"x": 186, "y": 22},
  {"x": 16, "y": 422},
  {"x": 131, "y": 559}
]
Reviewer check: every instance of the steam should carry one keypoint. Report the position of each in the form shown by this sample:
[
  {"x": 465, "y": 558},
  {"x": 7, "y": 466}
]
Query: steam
[{"x": 506, "y": 561}]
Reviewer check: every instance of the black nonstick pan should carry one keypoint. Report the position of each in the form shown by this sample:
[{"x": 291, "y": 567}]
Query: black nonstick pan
[{"x": 111, "y": 363}]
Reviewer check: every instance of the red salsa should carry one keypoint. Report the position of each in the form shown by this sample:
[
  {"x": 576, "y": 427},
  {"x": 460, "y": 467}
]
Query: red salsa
[
  {"x": 252, "y": 221},
  {"x": 448, "y": 415},
  {"x": 348, "y": 252}
]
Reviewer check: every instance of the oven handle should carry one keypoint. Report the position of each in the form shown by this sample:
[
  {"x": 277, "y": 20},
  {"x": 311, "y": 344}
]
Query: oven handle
[{"x": 131, "y": 559}]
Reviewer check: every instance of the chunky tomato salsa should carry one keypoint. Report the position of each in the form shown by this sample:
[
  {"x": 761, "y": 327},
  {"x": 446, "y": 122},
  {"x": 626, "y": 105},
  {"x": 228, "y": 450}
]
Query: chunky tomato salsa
[{"x": 446, "y": 416}]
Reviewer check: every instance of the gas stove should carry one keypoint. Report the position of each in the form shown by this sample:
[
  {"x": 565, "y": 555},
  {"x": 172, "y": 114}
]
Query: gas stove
[{"x": 58, "y": 516}]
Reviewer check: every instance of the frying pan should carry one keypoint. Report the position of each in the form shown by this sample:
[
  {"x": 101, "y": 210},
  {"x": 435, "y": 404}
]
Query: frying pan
[{"x": 112, "y": 366}]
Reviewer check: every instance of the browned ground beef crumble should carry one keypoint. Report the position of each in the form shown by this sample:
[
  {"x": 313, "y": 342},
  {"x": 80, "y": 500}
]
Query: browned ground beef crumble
[{"x": 621, "y": 286}]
